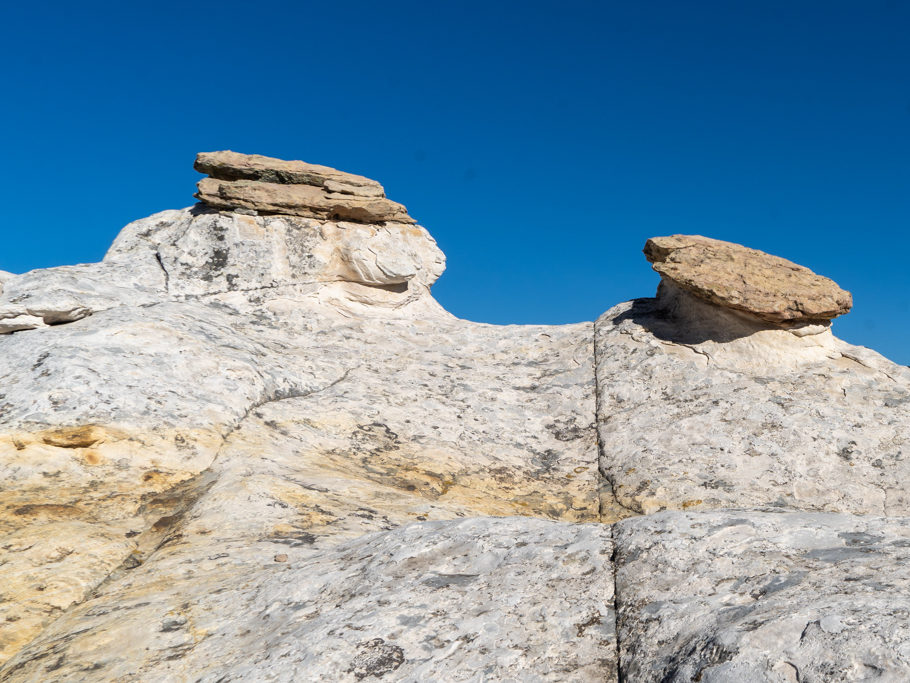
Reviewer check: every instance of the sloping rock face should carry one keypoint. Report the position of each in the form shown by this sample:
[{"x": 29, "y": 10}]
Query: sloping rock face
[{"x": 253, "y": 447}]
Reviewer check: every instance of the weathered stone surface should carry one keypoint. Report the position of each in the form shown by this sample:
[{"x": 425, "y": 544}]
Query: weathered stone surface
[
  {"x": 470, "y": 600},
  {"x": 69, "y": 293},
  {"x": 747, "y": 280},
  {"x": 748, "y": 416},
  {"x": 198, "y": 253},
  {"x": 206, "y": 252},
  {"x": 503, "y": 426},
  {"x": 725, "y": 597},
  {"x": 227, "y": 165}
]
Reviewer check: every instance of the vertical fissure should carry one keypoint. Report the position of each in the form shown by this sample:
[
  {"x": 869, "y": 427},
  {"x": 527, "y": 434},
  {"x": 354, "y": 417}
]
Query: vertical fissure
[
  {"x": 167, "y": 276},
  {"x": 603, "y": 482}
]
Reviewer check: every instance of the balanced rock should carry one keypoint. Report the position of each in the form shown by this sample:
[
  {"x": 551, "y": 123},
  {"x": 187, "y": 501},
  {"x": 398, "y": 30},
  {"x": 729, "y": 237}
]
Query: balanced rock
[
  {"x": 273, "y": 186},
  {"x": 747, "y": 280}
]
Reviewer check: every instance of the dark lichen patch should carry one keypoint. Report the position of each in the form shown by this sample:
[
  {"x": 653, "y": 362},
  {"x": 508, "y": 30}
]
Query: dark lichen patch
[
  {"x": 446, "y": 580},
  {"x": 585, "y": 625},
  {"x": 835, "y": 555},
  {"x": 49, "y": 510},
  {"x": 567, "y": 429},
  {"x": 295, "y": 538},
  {"x": 778, "y": 583},
  {"x": 376, "y": 658},
  {"x": 859, "y": 539}
]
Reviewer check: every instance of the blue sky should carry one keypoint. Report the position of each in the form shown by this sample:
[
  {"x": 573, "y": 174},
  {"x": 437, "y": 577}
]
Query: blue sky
[{"x": 541, "y": 143}]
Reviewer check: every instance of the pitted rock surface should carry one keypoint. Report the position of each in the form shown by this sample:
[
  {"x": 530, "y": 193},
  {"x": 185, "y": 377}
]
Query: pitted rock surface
[
  {"x": 748, "y": 280},
  {"x": 763, "y": 596}
]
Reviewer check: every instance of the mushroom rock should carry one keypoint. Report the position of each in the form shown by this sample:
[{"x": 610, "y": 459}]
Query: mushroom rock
[{"x": 736, "y": 277}]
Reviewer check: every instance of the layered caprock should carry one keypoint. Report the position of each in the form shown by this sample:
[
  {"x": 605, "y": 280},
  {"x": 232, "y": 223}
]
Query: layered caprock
[{"x": 267, "y": 186}]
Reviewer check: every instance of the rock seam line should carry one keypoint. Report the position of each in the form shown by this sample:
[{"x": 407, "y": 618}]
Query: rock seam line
[
  {"x": 602, "y": 476},
  {"x": 603, "y": 479},
  {"x": 620, "y": 677}
]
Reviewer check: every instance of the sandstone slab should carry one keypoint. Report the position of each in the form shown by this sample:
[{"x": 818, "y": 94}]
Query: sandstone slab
[
  {"x": 298, "y": 200},
  {"x": 274, "y": 186},
  {"x": 748, "y": 280},
  {"x": 228, "y": 165}
]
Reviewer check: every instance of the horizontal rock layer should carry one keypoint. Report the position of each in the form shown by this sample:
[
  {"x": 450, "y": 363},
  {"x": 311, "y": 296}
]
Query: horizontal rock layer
[
  {"x": 298, "y": 200},
  {"x": 273, "y": 186},
  {"x": 229, "y": 165},
  {"x": 748, "y": 280}
]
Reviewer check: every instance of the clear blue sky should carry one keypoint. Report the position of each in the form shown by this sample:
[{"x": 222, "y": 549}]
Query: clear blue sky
[{"x": 541, "y": 143}]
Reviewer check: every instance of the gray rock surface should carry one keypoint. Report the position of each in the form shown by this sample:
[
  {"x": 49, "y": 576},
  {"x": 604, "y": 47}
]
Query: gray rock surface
[
  {"x": 749, "y": 416},
  {"x": 254, "y": 447},
  {"x": 126, "y": 410},
  {"x": 732, "y": 596}
]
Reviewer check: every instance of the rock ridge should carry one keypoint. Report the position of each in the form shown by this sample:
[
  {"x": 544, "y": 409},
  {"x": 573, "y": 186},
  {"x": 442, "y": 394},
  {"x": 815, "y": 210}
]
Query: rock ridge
[{"x": 254, "y": 447}]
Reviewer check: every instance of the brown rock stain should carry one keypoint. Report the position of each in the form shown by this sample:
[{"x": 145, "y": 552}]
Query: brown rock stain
[
  {"x": 74, "y": 437},
  {"x": 74, "y": 509}
]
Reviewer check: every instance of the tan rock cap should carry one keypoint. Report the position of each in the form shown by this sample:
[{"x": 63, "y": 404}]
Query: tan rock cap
[
  {"x": 747, "y": 280},
  {"x": 267, "y": 185}
]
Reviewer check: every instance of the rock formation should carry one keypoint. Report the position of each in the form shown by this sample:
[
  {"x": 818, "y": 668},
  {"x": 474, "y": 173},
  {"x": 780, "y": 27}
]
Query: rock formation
[
  {"x": 747, "y": 280},
  {"x": 249, "y": 445}
]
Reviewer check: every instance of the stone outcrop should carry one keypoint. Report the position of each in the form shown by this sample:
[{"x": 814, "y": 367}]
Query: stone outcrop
[
  {"x": 747, "y": 280},
  {"x": 248, "y": 447},
  {"x": 269, "y": 186}
]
